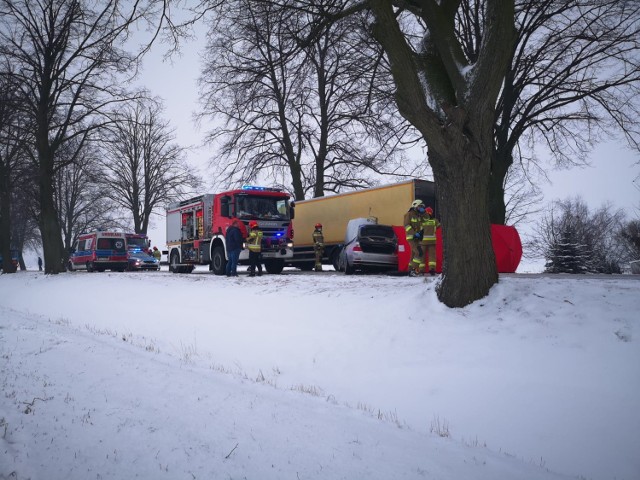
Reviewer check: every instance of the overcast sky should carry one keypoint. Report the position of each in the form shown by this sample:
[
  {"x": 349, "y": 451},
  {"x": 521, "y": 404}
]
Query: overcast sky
[{"x": 614, "y": 174}]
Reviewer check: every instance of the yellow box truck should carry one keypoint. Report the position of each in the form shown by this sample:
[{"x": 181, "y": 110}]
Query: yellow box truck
[{"x": 387, "y": 203}]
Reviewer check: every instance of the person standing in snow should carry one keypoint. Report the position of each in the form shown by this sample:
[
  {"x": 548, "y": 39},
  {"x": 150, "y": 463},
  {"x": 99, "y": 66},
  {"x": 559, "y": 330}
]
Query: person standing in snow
[
  {"x": 318, "y": 245},
  {"x": 234, "y": 247},
  {"x": 414, "y": 222},
  {"x": 157, "y": 254},
  {"x": 255, "y": 248},
  {"x": 430, "y": 225},
  {"x": 40, "y": 263}
]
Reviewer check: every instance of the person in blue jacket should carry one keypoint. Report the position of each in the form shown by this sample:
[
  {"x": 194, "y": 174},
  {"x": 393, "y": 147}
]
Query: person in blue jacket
[{"x": 234, "y": 247}]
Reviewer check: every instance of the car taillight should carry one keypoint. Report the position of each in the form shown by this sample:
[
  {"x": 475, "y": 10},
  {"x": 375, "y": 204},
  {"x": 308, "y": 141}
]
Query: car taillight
[
  {"x": 356, "y": 248},
  {"x": 291, "y": 234}
]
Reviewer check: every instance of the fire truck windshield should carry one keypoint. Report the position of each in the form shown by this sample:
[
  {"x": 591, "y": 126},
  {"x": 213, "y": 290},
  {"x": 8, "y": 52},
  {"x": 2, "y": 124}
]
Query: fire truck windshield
[{"x": 262, "y": 208}]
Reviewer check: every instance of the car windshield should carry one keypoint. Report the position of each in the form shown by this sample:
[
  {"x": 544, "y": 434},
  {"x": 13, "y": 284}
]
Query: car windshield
[
  {"x": 262, "y": 208},
  {"x": 377, "y": 231}
]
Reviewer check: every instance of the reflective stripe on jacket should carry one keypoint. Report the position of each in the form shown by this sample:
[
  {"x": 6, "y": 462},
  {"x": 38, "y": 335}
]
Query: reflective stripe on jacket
[
  {"x": 255, "y": 241},
  {"x": 413, "y": 223},
  {"x": 318, "y": 238},
  {"x": 429, "y": 227}
]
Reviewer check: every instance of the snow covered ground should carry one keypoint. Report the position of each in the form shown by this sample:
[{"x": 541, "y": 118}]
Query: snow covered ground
[{"x": 316, "y": 376}]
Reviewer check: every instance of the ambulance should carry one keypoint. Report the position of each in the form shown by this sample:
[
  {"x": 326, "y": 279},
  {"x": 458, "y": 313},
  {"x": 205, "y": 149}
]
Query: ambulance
[{"x": 99, "y": 251}]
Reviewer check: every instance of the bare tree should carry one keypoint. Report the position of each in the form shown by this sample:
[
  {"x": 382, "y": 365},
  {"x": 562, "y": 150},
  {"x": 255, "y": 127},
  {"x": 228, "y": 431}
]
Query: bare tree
[
  {"x": 70, "y": 65},
  {"x": 24, "y": 223},
  {"x": 524, "y": 197},
  {"x": 144, "y": 167},
  {"x": 81, "y": 196},
  {"x": 574, "y": 77},
  {"x": 317, "y": 113},
  {"x": 629, "y": 237},
  {"x": 450, "y": 97},
  {"x": 13, "y": 144}
]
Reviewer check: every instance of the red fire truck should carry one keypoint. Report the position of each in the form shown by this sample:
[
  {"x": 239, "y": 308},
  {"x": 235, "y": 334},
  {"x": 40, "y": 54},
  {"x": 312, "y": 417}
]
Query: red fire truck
[{"x": 196, "y": 228}]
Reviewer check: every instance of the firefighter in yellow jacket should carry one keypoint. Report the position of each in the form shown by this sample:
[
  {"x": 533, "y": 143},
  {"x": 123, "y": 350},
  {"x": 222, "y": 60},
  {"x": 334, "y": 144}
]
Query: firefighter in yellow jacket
[
  {"x": 413, "y": 223},
  {"x": 430, "y": 225},
  {"x": 254, "y": 242},
  {"x": 318, "y": 245}
]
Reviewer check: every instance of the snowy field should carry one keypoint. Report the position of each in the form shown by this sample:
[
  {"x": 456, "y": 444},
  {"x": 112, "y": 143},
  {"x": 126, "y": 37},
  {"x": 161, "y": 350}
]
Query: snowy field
[{"x": 317, "y": 376}]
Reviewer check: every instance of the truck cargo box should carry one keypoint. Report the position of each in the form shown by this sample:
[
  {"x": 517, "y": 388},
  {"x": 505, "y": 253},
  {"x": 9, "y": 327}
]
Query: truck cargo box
[{"x": 387, "y": 203}]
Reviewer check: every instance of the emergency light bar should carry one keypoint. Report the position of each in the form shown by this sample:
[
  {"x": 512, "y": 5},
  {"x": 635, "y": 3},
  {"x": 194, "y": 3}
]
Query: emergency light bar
[{"x": 262, "y": 189}]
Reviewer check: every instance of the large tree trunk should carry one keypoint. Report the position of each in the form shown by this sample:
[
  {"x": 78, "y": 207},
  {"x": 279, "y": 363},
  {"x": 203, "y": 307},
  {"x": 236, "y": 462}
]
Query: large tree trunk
[
  {"x": 500, "y": 165},
  {"x": 5, "y": 220},
  {"x": 461, "y": 175},
  {"x": 52, "y": 245},
  {"x": 455, "y": 114},
  {"x": 296, "y": 180}
]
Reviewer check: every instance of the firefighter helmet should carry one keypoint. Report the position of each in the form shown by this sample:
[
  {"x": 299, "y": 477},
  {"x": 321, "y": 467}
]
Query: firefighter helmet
[
  {"x": 253, "y": 224},
  {"x": 318, "y": 225},
  {"x": 416, "y": 203},
  {"x": 429, "y": 211}
]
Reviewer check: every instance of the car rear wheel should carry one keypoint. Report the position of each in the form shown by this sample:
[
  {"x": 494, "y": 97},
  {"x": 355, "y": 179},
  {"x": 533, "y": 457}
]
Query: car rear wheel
[
  {"x": 90, "y": 267},
  {"x": 348, "y": 269},
  {"x": 334, "y": 258}
]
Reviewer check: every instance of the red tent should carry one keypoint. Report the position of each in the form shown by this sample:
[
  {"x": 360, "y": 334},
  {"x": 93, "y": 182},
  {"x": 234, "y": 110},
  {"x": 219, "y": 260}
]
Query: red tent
[
  {"x": 506, "y": 246},
  {"x": 404, "y": 249}
]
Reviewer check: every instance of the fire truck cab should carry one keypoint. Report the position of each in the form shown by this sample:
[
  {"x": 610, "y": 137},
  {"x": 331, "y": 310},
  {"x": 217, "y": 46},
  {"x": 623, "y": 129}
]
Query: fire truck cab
[{"x": 196, "y": 228}]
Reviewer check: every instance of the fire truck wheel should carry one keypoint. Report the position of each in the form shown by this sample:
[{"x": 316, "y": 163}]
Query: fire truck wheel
[
  {"x": 174, "y": 262},
  {"x": 218, "y": 262},
  {"x": 89, "y": 266}
]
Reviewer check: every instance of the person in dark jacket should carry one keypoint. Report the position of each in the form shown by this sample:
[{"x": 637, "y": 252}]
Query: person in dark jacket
[{"x": 234, "y": 247}]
